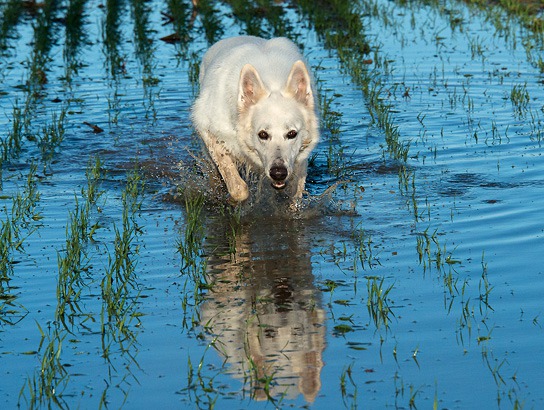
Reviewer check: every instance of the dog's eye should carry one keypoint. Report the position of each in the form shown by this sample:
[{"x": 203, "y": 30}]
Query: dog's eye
[
  {"x": 263, "y": 135},
  {"x": 291, "y": 134}
]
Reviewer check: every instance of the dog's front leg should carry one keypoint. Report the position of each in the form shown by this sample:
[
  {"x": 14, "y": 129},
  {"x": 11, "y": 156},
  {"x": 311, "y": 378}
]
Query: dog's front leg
[
  {"x": 301, "y": 170},
  {"x": 236, "y": 186}
]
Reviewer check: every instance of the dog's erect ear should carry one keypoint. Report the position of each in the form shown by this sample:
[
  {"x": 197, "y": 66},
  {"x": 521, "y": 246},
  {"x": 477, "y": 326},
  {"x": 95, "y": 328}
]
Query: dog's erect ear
[
  {"x": 298, "y": 84},
  {"x": 251, "y": 88}
]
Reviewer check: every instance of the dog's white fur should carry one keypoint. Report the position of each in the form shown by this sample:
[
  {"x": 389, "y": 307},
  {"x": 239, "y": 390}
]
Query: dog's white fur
[{"x": 256, "y": 108}]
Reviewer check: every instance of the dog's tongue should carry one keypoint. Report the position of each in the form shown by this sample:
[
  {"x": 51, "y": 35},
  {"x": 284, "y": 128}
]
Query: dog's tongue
[{"x": 278, "y": 184}]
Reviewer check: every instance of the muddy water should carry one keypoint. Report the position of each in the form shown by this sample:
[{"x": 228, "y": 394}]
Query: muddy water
[{"x": 418, "y": 283}]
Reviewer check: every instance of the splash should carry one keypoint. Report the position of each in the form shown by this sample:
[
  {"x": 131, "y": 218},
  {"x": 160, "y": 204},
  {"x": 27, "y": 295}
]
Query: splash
[{"x": 201, "y": 178}]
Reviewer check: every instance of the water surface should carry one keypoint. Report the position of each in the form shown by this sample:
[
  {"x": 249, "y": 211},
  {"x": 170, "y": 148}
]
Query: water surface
[{"x": 417, "y": 284}]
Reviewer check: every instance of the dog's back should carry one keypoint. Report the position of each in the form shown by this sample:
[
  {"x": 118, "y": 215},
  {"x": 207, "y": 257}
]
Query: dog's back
[{"x": 273, "y": 59}]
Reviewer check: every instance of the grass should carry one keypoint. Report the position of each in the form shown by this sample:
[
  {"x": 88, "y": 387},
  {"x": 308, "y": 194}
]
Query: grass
[
  {"x": 119, "y": 316},
  {"x": 47, "y": 386},
  {"x": 485, "y": 288},
  {"x": 182, "y": 16},
  {"x": 331, "y": 122},
  {"x": 43, "y": 40},
  {"x": 519, "y": 96},
  {"x": 201, "y": 387},
  {"x": 119, "y": 280},
  {"x": 20, "y": 219},
  {"x": 11, "y": 146},
  {"x": 263, "y": 18},
  {"x": 190, "y": 246},
  {"x": 72, "y": 263},
  {"x": 11, "y": 311},
  {"x": 525, "y": 11},
  {"x": 19, "y": 222},
  {"x": 51, "y": 137},
  {"x": 378, "y": 302},
  {"x": 347, "y": 383},
  {"x": 11, "y": 14},
  {"x": 364, "y": 252},
  {"x": 193, "y": 263},
  {"x": 120, "y": 290},
  {"x": 112, "y": 37}
]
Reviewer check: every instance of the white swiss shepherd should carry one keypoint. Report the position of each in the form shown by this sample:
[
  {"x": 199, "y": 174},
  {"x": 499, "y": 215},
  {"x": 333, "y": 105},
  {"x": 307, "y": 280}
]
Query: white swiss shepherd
[{"x": 256, "y": 108}]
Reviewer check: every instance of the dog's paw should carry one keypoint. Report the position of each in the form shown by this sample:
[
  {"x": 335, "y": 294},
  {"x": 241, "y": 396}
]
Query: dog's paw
[{"x": 239, "y": 194}]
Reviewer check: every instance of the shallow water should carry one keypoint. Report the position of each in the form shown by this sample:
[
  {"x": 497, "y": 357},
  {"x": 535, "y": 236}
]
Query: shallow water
[{"x": 417, "y": 284}]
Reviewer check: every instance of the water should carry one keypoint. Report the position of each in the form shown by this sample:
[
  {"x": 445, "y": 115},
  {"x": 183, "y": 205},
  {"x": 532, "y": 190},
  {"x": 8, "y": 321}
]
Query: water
[{"x": 417, "y": 284}]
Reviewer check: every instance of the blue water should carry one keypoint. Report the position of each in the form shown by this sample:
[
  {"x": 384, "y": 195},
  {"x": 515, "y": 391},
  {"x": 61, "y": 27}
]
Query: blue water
[{"x": 286, "y": 322}]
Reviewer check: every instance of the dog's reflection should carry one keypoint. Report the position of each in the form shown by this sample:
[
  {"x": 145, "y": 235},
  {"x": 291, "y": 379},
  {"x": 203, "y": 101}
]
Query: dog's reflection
[{"x": 264, "y": 309}]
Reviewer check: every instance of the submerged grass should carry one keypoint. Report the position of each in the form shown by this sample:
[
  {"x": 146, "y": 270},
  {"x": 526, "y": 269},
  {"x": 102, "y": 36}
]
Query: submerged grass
[
  {"x": 11, "y": 13},
  {"x": 348, "y": 387},
  {"x": 211, "y": 20},
  {"x": 20, "y": 221},
  {"x": 519, "y": 96},
  {"x": 20, "y": 218},
  {"x": 378, "y": 302},
  {"x": 193, "y": 263},
  {"x": 40, "y": 59},
  {"x": 75, "y": 36},
  {"x": 120, "y": 291},
  {"x": 201, "y": 388},
  {"x": 264, "y": 18},
  {"x": 119, "y": 285},
  {"x": 72, "y": 263},
  {"x": 48, "y": 384},
  {"x": 112, "y": 38},
  {"x": 182, "y": 16},
  {"x": 11, "y": 145},
  {"x": 47, "y": 387},
  {"x": 119, "y": 315},
  {"x": 51, "y": 137}
]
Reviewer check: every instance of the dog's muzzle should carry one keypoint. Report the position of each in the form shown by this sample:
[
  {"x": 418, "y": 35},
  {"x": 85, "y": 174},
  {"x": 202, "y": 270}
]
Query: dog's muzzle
[{"x": 278, "y": 174}]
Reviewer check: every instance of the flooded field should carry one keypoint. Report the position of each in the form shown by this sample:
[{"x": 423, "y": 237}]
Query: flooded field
[{"x": 416, "y": 283}]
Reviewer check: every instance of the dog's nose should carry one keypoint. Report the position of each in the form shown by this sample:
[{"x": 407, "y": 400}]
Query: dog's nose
[{"x": 278, "y": 173}]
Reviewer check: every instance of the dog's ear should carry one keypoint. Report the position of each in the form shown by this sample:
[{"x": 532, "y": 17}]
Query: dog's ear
[
  {"x": 251, "y": 88},
  {"x": 299, "y": 86}
]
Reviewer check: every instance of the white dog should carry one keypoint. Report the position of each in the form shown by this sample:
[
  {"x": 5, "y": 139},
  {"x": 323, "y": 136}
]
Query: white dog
[{"x": 256, "y": 109}]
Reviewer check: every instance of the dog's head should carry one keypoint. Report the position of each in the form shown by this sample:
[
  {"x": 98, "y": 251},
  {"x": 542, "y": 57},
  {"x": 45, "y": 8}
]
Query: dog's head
[{"x": 279, "y": 127}]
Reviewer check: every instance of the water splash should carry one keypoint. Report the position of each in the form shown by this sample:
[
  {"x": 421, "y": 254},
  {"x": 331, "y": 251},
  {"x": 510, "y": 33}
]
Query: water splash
[{"x": 201, "y": 178}]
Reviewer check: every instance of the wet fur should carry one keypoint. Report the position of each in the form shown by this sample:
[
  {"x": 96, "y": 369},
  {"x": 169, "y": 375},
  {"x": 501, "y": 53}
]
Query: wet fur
[{"x": 248, "y": 86}]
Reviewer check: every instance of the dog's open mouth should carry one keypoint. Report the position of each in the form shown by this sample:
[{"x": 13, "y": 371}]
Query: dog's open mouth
[
  {"x": 278, "y": 174},
  {"x": 278, "y": 184}
]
